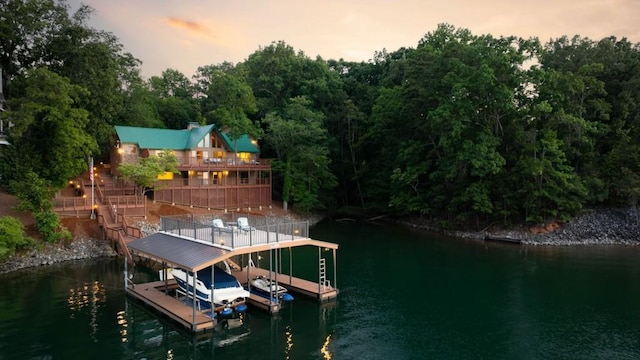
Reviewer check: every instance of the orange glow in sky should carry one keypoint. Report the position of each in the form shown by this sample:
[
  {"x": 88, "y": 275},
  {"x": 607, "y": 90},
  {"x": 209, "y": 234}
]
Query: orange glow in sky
[{"x": 186, "y": 34}]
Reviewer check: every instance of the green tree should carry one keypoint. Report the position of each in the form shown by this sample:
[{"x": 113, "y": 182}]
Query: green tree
[
  {"x": 50, "y": 134},
  {"x": 232, "y": 101},
  {"x": 298, "y": 137},
  {"x": 140, "y": 107},
  {"x": 35, "y": 195},
  {"x": 27, "y": 27},
  {"x": 172, "y": 83},
  {"x": 146, "y": 171},
  {"x": 12, "y": 236}
]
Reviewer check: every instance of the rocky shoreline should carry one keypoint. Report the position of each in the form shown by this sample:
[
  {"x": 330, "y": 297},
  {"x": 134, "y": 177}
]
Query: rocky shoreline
[
  {"x": 612, "y": 226},
  {"x": 80, "y": 248},
  {"x": 606, "y": 226}
]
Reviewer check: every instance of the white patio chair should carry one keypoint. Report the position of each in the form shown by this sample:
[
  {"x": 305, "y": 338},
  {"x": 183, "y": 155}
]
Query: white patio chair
[
  {"x": 243, "y": 224},
  {"x": 218, "y": 224}
]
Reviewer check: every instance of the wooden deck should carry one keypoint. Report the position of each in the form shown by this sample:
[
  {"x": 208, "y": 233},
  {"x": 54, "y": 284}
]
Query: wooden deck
[
  {"x": 153, "y": 295},
  {"x": 293, "y": 284}
]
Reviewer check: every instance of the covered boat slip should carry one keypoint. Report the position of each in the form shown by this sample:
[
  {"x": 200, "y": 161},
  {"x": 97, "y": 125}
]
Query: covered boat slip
[{"x": 196, "y": 247}]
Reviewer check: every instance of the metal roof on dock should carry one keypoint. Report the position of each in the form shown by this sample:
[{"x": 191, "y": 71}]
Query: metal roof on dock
[
  {"x": 194, "y": 255},
  {"x": 185, "y": 253}
]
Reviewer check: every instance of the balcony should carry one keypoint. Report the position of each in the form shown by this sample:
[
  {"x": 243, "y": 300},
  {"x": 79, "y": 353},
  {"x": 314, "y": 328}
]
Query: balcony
[
  {"x": 218, "y": 164},
  {"x": 224, "y": 181}
]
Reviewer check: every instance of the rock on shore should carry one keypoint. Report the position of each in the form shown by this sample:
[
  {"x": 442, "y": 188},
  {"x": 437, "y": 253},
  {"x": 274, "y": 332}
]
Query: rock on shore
[
  {"x": 610, "y": 226},
  {"x": 81, "y": 248},
  {"x": 605, "y": 226}
]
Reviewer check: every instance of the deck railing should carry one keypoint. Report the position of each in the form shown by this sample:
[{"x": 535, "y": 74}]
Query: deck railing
[
  {"x": 223, "y": 163},
  {"x": 232, "y": 237},
  {"x": 181, "y": 182}
]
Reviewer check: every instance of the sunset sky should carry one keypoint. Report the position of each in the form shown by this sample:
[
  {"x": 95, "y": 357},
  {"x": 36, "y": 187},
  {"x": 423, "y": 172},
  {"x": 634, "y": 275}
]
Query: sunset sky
[{"x": 185, "y": 34}]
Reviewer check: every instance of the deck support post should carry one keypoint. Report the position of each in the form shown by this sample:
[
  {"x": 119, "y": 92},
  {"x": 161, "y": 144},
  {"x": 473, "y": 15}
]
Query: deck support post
[
  {"x": 193, "y": 293},
  {"x": 290, "y": 265},
  {"x": 270, "y": 273}
]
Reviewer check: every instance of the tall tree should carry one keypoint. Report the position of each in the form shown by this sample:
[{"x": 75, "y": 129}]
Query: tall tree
[
  {"x": 298, "y": 137},
  {"x": 50, "y": 134},
  {"x": 26, "y": 29},
  {"x": 232, "y": 102}
]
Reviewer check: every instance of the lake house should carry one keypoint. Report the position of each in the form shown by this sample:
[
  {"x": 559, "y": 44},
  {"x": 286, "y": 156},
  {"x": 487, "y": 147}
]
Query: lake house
[{"x": 216, "y": 170}]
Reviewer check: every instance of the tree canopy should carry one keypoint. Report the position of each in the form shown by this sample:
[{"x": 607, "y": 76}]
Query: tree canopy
[{"x": 467, "y": 129}]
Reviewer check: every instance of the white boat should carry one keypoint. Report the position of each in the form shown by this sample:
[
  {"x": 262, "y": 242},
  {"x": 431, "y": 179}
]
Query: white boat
[
  {"x": 264, "y": 287},
  {"x": 226, "y": 290}
]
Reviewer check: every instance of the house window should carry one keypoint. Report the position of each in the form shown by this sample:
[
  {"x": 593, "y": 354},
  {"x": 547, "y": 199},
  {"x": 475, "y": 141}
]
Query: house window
[
  {"x": 244, "y": 177},
  {"x": 245, "y": 157}
]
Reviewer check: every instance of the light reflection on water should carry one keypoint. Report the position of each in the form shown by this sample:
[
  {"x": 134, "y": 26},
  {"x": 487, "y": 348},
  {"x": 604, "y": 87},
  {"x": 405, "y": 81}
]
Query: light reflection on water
[{"x": 403, "y": 295}]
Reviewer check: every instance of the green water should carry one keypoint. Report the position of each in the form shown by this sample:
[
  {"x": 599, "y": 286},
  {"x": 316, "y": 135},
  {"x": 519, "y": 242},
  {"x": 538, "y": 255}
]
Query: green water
[{"x": 404, "y": 295}]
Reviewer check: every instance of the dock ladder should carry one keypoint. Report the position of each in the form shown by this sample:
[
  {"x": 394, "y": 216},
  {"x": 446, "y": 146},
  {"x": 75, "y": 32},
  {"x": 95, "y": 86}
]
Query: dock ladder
[{"x": 323, "y": 273}]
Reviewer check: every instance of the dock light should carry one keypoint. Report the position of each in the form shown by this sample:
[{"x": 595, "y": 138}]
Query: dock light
[
  {"x": 221, "y": 241},
  {"x": 296, "y": 232}
]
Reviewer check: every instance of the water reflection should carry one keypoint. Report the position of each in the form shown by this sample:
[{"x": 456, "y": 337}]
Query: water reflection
[
  {"x": 121, "y": 319},
  {"x": 289, "y": 341},
  {"x": 325, "y": 348},
  {"x": 88, "y": 295}
]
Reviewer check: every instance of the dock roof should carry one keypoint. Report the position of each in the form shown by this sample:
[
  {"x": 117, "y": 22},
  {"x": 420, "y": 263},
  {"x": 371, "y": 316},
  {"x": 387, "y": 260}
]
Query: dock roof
[
  {"x": 187, "y": 254},
  {"x": 194, "y": 255}
]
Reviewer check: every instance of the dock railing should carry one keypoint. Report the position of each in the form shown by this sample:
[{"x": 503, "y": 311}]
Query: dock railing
[{"x": 231, "y": 236}]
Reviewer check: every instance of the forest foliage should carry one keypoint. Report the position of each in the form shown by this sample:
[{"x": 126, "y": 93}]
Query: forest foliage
[{"x": 462, "y": 128}]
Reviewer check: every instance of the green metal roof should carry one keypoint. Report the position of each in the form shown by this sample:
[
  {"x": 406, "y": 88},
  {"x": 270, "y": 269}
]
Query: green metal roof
[
  {"x": 244, "y": 144},
  {"x": 168, "y": 139}
]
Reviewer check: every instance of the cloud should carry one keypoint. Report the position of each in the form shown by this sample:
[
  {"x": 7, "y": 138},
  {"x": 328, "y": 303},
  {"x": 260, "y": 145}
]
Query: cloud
[{"x": 191, "y": 26}]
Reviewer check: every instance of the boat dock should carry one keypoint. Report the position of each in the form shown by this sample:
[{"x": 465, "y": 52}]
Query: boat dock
[
  {"x": 295, "y": 285},
  {"x": 153, "y": 295},
  {"x": 503, "y": 239},
  {"x": 194, "y": 246}
]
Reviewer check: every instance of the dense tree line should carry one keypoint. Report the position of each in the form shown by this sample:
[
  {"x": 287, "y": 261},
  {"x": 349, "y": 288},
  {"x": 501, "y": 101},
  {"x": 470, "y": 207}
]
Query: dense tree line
[{"x": 463, "y": 128}]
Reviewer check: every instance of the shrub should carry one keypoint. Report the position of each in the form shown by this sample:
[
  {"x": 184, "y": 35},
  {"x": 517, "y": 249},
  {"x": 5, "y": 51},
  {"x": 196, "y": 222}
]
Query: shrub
[
  {"x": 11, "y": 236},
  {"x": 50, "y": 228}
]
